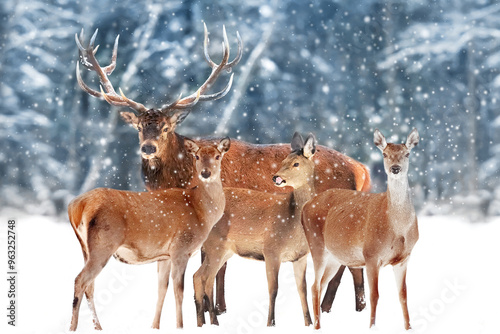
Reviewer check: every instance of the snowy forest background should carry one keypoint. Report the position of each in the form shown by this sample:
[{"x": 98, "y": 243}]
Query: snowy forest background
[{"x": 338, "y": 69}]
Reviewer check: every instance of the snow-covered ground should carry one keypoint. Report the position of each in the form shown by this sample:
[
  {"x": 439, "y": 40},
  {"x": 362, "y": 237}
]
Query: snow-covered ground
[{"x": 452, "y": 286}]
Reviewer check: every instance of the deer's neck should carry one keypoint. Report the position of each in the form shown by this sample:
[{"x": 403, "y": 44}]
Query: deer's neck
[
  {"x": 400, "y": 206},
  {"x": 303, "y": 194},
  {"x": 210, "y": 201},
  {"x": 172, "y": 168}
]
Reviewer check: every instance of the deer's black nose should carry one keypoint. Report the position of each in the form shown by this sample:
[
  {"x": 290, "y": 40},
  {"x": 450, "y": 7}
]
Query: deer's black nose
[
  {"x": 148, "y": 149},
  {"x": 206, "y": 174},
  {"x": 395, "y": 169}
]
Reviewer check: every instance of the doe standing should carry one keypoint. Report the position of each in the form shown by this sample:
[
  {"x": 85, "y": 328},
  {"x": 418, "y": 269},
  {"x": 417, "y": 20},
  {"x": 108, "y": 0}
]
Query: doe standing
[{"x": 364, "y": 229}]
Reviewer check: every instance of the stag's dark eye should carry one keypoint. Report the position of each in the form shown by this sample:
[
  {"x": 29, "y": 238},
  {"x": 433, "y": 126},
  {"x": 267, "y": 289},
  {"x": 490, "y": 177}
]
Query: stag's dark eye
[
  {"x": 385, "y": 155},
  {"x": 217, "y": 157},
  {"x": 407, "y": 155},
  {"x": 197, "y": 157},
  {"x": 296, "y": 164},
  {"x": 139, "y": 129},
  {"x": 165, "y": 130}
]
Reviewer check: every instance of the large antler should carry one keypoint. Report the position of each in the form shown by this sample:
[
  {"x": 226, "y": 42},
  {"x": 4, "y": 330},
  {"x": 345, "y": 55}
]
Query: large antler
[
  {"x": 87, "y": 57},
  {"x": 192, "y": 99}
]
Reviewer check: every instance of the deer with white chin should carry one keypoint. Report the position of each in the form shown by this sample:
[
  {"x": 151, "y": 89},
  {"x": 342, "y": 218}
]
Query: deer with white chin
[{"x": 364, "y": 229}]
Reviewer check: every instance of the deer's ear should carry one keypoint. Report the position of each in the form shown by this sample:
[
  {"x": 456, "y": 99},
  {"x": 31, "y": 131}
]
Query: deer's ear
[
  {"x": 297, "y": 142},
  {"x": 130, "y": 118},
  {"x": 379, "y": 140},
  {"x": 191, "y": 146},
  {"x": 413, "y": 139},
  {"x": 310, "y": 146},
  {"x": 224, "y": 145}
]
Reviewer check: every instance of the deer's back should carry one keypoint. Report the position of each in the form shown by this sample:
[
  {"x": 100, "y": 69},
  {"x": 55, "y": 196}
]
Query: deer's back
[
  {"x": 252, "y": 166},
  {"x": 254, "y": 220}
]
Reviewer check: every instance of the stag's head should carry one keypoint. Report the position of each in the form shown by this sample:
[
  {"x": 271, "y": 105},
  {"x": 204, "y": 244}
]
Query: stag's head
[
  {"x": 154, "y": 125},
  {"x": 297, "y": 169},
  {"x": 208, "y": 158},
  {"x": 396, "y": 156}
]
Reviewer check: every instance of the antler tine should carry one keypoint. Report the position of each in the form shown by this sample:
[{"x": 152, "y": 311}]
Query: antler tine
[
  {"x": 181, "y": 104},
  {"x": 236, "y": 60},
  {"x": 220, "y": 94},
  {"x": 171, "y": 105},
  {"x": 111, "y": 67},
  {"x": 205, "y": 48},
  {"x": 192, "y": 99},
  {"x": 228, "y": 67},
  {"x": 88, "y": 59},
  {"x": 82, "y": 84}
]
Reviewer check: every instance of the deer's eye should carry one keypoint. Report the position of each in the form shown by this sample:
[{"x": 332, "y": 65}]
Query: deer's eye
[
  {"x": 197, "y": 157},
  {"x": 217, "y": 157},
  {"x": 165, "y": 130},
  {"x": 139, "y": 129},
  {"x": 296, "y": 164},
  {"x": 385, "y": 155},
  {"x": 407, "y": 155}
]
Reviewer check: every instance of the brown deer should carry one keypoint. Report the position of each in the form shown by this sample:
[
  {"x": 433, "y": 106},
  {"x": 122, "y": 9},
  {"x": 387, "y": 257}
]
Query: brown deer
[
  {"x": 263, "y": 226},
  {"x": 136, "y": 228},
  {"x": 166, "y": 164},
  {"x": 357, "y": 229}
]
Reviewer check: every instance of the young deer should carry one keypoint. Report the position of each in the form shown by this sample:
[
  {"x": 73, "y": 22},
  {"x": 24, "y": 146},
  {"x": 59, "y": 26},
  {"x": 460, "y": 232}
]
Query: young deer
[
  {"x": 166, "y": 225},
  {"x": 351, "y": 228},
  {"x": 264, "y": 227}
]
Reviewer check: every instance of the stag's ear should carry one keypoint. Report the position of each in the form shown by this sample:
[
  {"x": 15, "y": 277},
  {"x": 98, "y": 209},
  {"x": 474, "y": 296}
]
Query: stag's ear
[
  {"x": 130, "y": 118},
  {"x": 224, "y": 145},
  {"x": 379, "y": 140},
  {"x": 413, "y": 139},
  {"x": 297, "y": 142},
  {"x": 179, "y": 116},
  {"x": 310, "y": 146},
  {"x": 190, "y": 146}
]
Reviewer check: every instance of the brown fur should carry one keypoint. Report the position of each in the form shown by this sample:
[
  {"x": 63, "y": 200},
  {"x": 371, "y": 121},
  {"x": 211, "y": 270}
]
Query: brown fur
[
  {"x": 165, "y": 226},
  {"x": 345, "y": 227},
  {"x": 250, "y": 166},
  {"x": 246, "y": 166},
  {"x": 261, "y": 226}
]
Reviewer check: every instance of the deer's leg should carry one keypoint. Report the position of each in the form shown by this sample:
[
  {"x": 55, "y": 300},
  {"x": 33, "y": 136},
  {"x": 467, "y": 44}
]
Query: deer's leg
[
  {"x": 372, "y": 271},
  {"x": 94, "y": 262},
  {"x": 325, "y": 268},
  {"x": 179, "y": 264},
  {"x": 89, "y": 272},
  {"x": 299, "y": 270},
  {"x": 400, "y": 274},
  {"x": 220, "y": 307},
  {"x": 199, "y": 293},
  {"x": 199, "y": 282},
  {"x": 163, "y": 277},
  {"x": 205, "y": 301},
  {"x": 89, "y": 293},
  {"x": 331, "y": 291},
  {"x": 359, "y": 288},
  {"x": 216, "y": 261},
  {"x": 272, "y": 270}
]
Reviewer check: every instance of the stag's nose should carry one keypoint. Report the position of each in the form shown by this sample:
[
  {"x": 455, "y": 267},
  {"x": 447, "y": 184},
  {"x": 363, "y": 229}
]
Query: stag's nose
[
  {"x": 148, "y": 149},
  {"x": 206, "y": 174},
  {"x": 395, "y": 169}
]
